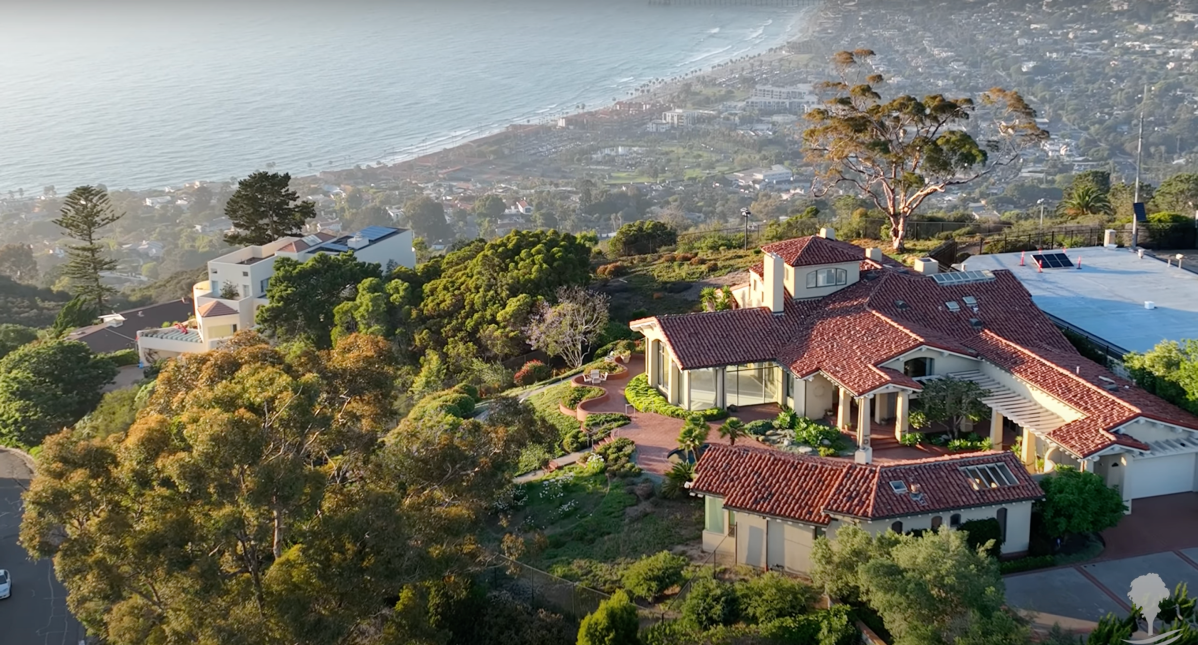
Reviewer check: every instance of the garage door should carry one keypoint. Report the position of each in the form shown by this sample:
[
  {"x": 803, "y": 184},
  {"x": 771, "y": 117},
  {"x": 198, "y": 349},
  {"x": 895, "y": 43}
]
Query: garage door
[{"x": 1160, "y": 476}]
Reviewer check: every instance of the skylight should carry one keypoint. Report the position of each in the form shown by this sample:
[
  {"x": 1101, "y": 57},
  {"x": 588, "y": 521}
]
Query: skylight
[
  {"x": 970, "y": 301},
  {"x": 989, "y": 476},
  {"x": 962, "y": 277},
  {"x": 898, "y": 487},
  {"x": 952, "y": 305}
]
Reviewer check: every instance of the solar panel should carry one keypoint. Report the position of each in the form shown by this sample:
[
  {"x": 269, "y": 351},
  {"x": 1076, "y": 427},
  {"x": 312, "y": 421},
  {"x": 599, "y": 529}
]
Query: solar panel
[
  {"x": 1052, "y": 260},
  {"x": 373, "y": 233},
  {"x": 962, "y": 277}
]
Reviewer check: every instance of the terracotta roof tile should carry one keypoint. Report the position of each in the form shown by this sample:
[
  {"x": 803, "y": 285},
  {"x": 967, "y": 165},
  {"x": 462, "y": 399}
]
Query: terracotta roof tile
[
  {"x": 813, "y": 489},
  {"x": 806, "y": 251},
  {"x": 217, "y": 308}
]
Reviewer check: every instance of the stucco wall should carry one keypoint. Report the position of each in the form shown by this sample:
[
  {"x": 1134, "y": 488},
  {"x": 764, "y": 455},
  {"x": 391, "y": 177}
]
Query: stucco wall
[
  {"x": 941, "y": 363},
  {"x": 1019, "y": 523},
  {"x": 820, "y": 396},
  {"x": 797, "y": 280},
  {"x": 1147, "y": 430},
  {"x": 1028, "y": 392}
]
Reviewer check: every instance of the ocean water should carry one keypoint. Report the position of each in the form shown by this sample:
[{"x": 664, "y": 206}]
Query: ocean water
[{"x": 148, "y": 95}]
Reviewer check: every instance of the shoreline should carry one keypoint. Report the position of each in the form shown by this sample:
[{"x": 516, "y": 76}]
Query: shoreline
[{"x": 419, "y": 157}]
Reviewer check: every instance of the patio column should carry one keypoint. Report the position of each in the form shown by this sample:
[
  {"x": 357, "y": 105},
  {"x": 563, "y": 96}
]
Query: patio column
[
  {"x": 651, "y": 361},
  {"x": 864, "y": 454},
  {"x": 721, "y": 392},
  {"x": 901, "y": 403},
  {"x": 1028, "y": 448},
  {"x": 842, "y": 411},
  {"x": 684, "y": 390},
  {"x": 674, "y": 376},
  {"x": 879, "y": 407},
  {"x": 996, "y": 419}
]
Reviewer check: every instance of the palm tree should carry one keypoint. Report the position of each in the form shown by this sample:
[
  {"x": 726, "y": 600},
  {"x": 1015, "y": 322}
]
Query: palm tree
[
  {"x": 675, "y": 482},
  {"x": 732, "y": 430},
  {"x": 1085, "y": 201},
  {"x": 693, "y": 436}
]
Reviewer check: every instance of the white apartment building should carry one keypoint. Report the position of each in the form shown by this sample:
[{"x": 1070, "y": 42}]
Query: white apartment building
[{"x": 229, "y": 299}]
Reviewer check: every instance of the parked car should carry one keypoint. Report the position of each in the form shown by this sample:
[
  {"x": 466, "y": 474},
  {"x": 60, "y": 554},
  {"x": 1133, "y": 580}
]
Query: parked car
[{"x": 5, "y": 584}]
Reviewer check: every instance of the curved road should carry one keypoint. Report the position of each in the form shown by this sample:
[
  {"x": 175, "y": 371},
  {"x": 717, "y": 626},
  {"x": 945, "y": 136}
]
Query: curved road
[{"x": 36, "y": 613}]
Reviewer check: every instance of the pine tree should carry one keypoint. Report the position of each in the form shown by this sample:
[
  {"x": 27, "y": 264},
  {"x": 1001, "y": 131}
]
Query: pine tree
[
  {"x": 264, "y": 208},
  {"x": 86, "y": 211}
]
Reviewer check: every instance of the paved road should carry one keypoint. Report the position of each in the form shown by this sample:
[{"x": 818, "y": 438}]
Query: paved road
[{"x": 36, "y": 613}]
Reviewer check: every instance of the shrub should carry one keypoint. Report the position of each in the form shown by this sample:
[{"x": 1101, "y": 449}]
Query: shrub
[
  {"x": 786, "y": 420},
  {"x": 675, "y": 482},
  {"x": 615, "y": 622},
  {"x": 816, "y": 434},
  {"x": 641, "y": 237},
  {"x": 123, "y": 358},
  {"x": 575, "y": 395},
  {"x": 912, "y": 439},
  {"x": 696, "y": 261},
  {"x": 651, "y": 575},
  {"x": 759, "y": 428},
  {"x": 684, "y": 257},
  {"x": 773, "y": 596},
  {"x": 978, "y": 532},
  {"x": 606, "y": 421},
  {"x": 1026, "y": 564},
  {"x": 533, "y": 372},
  {"x": 454, "y": 402},
  {"x": 969, "y": 442},
  {"x": 604, "y": 367},
  {"x": 1078, "y": 502},
  {"x": 646, "y": 398},
  {"x": 617, "y": 457},
  {"x": 710, "y": 603},
  {"x": 613, "y": 270},
  {"x": 712, "y": 266},
  {"x": 533, "y": 457},
  {"x": 575, "y": 440},
  {"x": 832, "y": 626}
]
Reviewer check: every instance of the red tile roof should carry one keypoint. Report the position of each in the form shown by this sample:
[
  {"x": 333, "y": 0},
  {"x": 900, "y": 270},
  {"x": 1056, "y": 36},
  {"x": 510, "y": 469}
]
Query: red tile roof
[
  {"x": 849, "y": 334},
  {"x": 217, "y": 308},
  {"x": 814, "y": 489},
  {"x": 807, "y": 251}
]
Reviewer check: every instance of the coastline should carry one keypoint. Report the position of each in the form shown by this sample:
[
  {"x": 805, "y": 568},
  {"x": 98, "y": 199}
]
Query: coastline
[{"x": 808, "y": 17}]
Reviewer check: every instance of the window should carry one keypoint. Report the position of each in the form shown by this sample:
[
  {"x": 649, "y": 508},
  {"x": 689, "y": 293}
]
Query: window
[
  {"x": 989, "y": 476},
  {"x": 827, "y": 278},
  {"x": 787, "y": 384},
  {"x": 265, "y": 283},
  {"x": 918, "y": 367},
  {"x": 245, "y": 274},
  {"x": 937, "y": 522},
  {"x": 1002, "y": 524},
  {"x": 897, "y": 527},
  {"x": 660, "y": 365},
  {"x": 954, "y": 519}
]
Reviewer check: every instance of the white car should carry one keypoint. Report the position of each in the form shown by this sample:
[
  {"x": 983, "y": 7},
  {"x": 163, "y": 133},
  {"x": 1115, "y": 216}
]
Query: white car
[{"x": 5, "y": 584}]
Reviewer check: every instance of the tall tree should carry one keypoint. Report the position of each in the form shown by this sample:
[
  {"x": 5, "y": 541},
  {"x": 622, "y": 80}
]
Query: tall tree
[
  {"x": 264, "y": 208},
  {"x": 1086, "y": 200},
  {"x": 1178, "y": 194},
  {"x": 898, "y": 153},
  {"x": 489, "y": 207},
  {"x": 45, "y": 387},
  {"x": 303, "y": 296},
  {"x": 14, "y": 336},
  {"x": 568, "y": 328},
  {"x": 76, "y": 313},
  {"x": 86, "y": 211},
  {"x": 426, "y": 216},
  {"x": 18, "y": 263},
  {"x": 1077, "y": 502}
]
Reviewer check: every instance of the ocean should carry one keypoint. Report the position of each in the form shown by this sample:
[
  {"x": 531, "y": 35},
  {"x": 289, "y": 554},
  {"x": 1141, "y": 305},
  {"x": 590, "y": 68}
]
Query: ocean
[{"x": 149, "y": 95}]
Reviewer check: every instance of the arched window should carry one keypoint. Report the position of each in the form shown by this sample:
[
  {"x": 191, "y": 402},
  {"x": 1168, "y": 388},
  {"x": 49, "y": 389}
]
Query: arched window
[
  {"x": 954, "y": 520},
  {"x": 1002, "y": 523},
  {"x": 897, "y": 527},
  {"x": 936, "y": 522}
]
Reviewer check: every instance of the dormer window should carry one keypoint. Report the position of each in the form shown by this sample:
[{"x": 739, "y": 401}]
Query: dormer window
[{"x": 827, "y": 278}]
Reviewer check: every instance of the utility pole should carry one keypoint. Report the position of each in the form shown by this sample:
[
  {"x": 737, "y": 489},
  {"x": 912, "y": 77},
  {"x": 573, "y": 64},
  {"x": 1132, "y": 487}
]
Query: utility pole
[
  {"x": 745, "y": 212},
  {"x": 1135, "y": 232}
]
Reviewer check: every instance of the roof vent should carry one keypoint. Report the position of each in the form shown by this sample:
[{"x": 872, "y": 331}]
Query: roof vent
[
  {"x": 975, "y": 323},
  {"x": 953, "y": 306},
  {"x": 899, "y": 488},
  {"x": 901, "y": 305},
  {"x": 914, "y": 488},
  {"x": 918, "y": 498}
]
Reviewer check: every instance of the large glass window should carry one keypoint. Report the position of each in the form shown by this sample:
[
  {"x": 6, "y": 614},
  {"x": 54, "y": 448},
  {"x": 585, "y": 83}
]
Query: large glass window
[
  {"x": 660, "y": 364},
  {"x": 714, "y": 514},
  {"x": 918, "y": 367},
  {"x": 702, "y": 383},
  {"x": 752, "y": 384},
  {"x": 827, "y": 278}
]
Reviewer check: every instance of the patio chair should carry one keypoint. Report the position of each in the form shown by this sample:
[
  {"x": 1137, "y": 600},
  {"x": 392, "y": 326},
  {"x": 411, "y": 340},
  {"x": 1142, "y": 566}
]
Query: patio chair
[{"x": 595, "y": 377}]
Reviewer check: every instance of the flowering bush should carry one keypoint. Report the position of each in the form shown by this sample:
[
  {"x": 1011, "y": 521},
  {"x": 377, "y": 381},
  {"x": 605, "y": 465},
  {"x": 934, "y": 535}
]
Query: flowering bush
[
  {"x": 532, "y": 372},
  {"x": 613, "y": 270}
]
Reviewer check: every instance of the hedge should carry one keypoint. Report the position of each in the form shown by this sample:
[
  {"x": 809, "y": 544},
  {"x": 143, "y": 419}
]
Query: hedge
[
  {"x": 575, "y": 395},
  {"x": 1026, "y": 564},
  {"x": 606, "y": 420},
  {"x": 123, "y": 358},
  {"x": 646, "y": 398}
]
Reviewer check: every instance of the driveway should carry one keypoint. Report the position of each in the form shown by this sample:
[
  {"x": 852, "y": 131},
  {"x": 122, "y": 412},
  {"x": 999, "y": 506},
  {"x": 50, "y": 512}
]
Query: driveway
[
  {"x": 36, "y": 613},
  {"x": 1076, "y": 597}
]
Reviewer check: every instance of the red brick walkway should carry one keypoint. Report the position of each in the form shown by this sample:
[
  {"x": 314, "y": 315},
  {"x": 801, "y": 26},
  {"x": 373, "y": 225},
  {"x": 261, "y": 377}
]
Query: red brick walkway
[{"x": 1165, "y": 523}]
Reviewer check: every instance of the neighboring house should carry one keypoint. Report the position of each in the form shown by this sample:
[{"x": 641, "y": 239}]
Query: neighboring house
[
  {"x": 218, "y": 225},
  {"x": 764, "y": 508},
  {"x": 827, "y": 328},
  {"x": 247, "y": 272},
  {"x": 119, "y": 330},
  {"x": 149, "y": 248}
]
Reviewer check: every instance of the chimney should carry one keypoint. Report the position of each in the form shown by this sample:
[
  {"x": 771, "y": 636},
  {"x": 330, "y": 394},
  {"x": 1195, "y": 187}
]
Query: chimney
[
  {"x": 927, "y": 266},
  {"x": 874, "y": 254},
  {"x": 1108, "y": 238},
  {"x": 827, "y": 233},
  {"x": 773, "y": 274}
]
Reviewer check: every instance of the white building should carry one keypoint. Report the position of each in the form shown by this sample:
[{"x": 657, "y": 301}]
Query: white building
[{"x": 229, "y": 299}]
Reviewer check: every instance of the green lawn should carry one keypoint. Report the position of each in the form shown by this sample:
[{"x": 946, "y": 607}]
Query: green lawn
[{"x": 546, "y": 403}]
